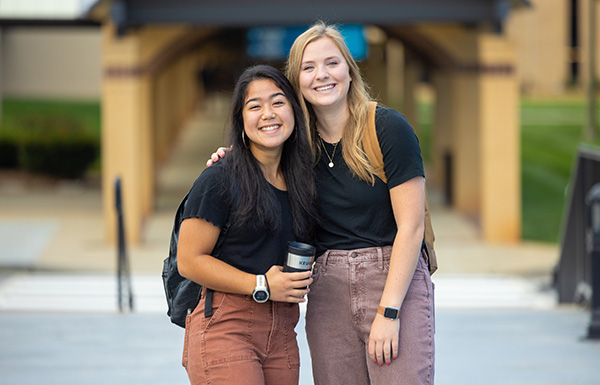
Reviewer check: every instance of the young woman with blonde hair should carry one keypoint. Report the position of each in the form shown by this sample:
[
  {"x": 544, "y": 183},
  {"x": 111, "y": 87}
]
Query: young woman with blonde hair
[{"x": 370, "y": 315}]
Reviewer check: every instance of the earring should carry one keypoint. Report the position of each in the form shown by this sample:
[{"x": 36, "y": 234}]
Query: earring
[{"x": 244, "y": 140}]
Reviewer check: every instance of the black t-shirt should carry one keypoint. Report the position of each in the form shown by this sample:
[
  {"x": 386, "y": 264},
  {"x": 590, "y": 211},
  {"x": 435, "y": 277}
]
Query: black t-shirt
[
  {"x": 249, "y": 249},
  {"x": 355, "y": 214}
]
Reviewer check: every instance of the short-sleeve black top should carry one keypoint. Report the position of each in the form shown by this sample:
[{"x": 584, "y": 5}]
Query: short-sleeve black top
[
  {"x": 250, "y": 249},
  {"x": 353, "y": 213}
]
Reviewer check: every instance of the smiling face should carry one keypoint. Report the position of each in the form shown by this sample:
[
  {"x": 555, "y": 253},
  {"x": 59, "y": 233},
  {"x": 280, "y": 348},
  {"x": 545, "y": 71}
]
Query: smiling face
[
  {"x": 324, "y": 77},
  {"x": 268, "y": 116}
]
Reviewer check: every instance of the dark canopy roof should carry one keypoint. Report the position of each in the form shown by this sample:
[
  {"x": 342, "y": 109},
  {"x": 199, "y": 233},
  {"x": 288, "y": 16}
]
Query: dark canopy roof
[{"x": 245, "y": 13}]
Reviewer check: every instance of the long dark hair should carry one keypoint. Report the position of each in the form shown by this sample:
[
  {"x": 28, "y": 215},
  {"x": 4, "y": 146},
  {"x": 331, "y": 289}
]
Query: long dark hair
[{"x": 253, "y": 201}]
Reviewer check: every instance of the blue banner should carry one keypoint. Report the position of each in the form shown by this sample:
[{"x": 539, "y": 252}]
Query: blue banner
[{"x": 274, "y": 43}]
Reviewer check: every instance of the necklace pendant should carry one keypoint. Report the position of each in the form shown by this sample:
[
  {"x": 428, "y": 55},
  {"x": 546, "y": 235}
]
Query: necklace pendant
[{"x": 330, "y": 164}]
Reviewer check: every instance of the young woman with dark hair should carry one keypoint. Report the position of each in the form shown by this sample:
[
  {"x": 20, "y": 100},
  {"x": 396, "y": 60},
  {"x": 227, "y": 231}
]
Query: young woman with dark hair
[{"x": 239, "y": 217}]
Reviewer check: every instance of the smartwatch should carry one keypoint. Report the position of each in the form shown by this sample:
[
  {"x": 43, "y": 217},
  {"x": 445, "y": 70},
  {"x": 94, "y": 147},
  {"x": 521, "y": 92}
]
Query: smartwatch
[
  {"x": 389, "y": 312},
  {"x": 261, "y": 293}
]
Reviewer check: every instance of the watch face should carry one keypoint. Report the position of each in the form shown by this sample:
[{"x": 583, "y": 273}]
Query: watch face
[
  {"x": 390, "y": 313},
  {"x": 261, "y": 296}
]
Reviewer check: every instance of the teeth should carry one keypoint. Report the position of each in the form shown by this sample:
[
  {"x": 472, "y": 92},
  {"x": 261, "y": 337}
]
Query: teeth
[
  {"x": 324, "y": 88},
  {"x": 270, "y": 128}
]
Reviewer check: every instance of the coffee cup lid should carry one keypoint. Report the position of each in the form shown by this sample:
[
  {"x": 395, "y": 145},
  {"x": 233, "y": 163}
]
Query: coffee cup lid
[{"x": 301, "y": 248}]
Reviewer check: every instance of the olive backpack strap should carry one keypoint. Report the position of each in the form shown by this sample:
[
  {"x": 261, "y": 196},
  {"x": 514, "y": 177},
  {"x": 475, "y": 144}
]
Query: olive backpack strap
[{"x": 373, "y": 151}]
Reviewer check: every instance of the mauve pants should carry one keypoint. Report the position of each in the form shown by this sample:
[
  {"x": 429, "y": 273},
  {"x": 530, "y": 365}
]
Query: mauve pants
[
  {"x": 243, "y": 343},
  {"x": 342, "y": 304}
]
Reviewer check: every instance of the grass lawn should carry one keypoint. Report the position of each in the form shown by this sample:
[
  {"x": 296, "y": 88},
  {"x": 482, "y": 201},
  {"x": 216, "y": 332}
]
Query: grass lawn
[{"x": 551, "y": 132}]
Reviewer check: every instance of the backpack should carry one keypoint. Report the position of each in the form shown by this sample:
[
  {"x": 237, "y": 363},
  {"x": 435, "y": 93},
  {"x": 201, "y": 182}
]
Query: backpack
[
  {"x": 182, "y": 294},
  {"x": 373, "y": 151}
]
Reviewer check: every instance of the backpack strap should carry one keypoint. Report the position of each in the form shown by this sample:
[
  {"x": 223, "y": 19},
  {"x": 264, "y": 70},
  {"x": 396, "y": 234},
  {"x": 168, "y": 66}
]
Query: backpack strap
[
  {"x": 371, "y": 143},
  {"x": 372, "y": 149},
  {"x": 208, "y": 299},
  {"x": 208, "y": 303}
]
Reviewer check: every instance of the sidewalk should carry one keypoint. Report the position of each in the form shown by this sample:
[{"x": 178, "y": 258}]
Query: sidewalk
[{"x": 496, "y": 317}]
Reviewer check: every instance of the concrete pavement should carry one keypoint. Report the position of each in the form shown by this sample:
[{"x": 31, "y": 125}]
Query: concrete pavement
[
  {"x": 497, "y": 319},
  {"x": 478, "y": 346}
]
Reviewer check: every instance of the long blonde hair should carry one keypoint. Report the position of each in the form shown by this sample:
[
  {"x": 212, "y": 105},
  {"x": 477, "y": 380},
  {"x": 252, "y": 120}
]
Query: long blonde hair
[{"x": 358, "y": 100}]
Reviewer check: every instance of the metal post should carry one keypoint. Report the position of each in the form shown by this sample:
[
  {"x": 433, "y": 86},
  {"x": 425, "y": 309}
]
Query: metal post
[
  {"x": 123, "y": 276},
  {"x": 593, "y": 201}
]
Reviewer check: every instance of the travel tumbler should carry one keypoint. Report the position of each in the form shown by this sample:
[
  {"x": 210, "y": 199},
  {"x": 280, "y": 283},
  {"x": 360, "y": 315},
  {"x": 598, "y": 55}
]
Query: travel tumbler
[{"x": 300, "y": 257}]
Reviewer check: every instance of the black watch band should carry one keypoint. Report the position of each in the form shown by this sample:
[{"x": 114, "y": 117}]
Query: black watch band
[{"x": 268, "y": 287}]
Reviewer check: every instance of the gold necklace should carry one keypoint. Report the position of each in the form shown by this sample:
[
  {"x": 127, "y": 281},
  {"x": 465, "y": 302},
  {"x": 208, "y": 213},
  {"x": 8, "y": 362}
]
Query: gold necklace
[{"x": 326, "y": 153}]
